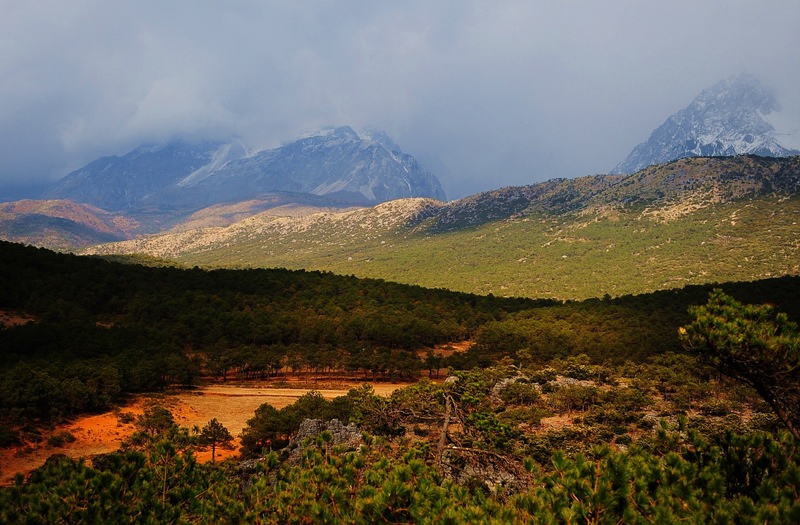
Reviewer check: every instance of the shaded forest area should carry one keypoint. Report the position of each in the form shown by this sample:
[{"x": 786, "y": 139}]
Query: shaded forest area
[{"x": 104, "y": 328}]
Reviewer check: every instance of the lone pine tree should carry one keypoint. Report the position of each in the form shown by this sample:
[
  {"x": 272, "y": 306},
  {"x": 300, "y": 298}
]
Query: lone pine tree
[{"x": 214, "y": 434}]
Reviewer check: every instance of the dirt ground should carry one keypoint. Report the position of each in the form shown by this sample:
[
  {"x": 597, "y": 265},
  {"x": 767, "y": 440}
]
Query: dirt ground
[
  {"x": 9, "y": 319},
  {"x": 232, "y": 405}
]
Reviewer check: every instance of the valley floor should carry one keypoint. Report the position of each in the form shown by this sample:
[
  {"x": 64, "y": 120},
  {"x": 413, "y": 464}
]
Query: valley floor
[{"x": 231, "y": 404}]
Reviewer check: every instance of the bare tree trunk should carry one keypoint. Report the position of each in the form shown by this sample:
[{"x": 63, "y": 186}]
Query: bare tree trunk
[{"x": 445, "y": 425}]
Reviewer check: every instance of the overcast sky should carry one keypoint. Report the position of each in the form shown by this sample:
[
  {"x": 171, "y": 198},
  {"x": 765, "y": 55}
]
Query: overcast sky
[{"x": 484, "y": 94}]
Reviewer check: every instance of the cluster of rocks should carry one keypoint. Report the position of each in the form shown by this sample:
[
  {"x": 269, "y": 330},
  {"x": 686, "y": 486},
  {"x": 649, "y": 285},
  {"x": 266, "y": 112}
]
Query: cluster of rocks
[{"x": 348, "y": 437}]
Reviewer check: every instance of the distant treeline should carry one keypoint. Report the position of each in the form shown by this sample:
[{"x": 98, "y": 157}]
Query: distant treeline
[
  {"x": 104, "y": 328},
  {"x": 615, "y": 330}
]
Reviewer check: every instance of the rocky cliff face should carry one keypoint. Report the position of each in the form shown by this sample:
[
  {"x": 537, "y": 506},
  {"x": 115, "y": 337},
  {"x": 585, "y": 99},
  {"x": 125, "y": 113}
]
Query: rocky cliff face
[{"x": 731, "y": 118}]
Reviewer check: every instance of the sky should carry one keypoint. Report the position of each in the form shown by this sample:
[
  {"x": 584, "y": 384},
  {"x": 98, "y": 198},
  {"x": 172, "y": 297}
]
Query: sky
[{"x": 485, "y": 94}]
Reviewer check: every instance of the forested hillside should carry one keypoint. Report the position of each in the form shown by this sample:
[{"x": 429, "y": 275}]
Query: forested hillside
[
  {"x": 585, "y": 412},
  {"x": 103, "y": 328}
]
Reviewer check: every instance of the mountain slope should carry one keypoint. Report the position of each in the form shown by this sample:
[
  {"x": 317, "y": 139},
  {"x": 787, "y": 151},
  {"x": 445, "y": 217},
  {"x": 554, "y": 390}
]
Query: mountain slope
[
  {"x": 338, "y": 164},
  {"x": 690, "y": 221},
  {"x": 131, "y": 181},
  {"x": 731, "y": 118},
  {"x": 61, "y": 224}
]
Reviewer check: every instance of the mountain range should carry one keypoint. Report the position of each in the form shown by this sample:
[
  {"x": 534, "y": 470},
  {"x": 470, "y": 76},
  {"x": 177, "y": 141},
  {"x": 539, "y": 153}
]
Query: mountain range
[
  {"x": 352, "y": 202},
  {"x": 734, "y": 117},
  {"x": 337, "y": 163}
]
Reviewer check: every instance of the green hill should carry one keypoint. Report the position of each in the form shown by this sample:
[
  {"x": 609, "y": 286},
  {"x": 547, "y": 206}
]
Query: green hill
[{"x": 692, "y": 221}]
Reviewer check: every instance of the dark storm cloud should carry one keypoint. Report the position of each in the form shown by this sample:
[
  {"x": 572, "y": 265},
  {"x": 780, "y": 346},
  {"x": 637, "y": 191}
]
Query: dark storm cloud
[{"x": 485, "y": 93}]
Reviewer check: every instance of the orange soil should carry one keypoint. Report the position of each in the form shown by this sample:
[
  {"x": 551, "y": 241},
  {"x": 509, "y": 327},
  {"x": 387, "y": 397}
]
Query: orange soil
[
  {"x": 9, "y": 319},
  {"x": 103, "y": 433},
  {"x": 448, "y": 349}
]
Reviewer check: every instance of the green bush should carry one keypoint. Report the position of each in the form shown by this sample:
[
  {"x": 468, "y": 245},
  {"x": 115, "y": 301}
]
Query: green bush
[
  {"x": 518, "y": 393},
  {"x": 623, "y": 439},
  {"x": 531, "y": 416},
  {"x": 543, "y": 375},
  {"x": 715, "y": 408},
  {"x": 60, "y": 439}
]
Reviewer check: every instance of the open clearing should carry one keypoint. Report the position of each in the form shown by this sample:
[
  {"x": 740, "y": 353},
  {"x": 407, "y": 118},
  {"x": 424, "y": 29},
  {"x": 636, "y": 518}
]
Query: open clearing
[{"x": 232, "y": 405}]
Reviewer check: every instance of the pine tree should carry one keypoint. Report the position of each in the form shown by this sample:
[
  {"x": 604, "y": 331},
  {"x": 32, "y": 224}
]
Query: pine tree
[
  {"x": 214, "y": 434},
  {"x": 754, "y": 344}
]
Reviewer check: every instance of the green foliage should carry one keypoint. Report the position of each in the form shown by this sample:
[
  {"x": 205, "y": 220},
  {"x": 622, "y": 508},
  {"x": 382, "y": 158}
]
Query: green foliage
[
  {"x": 498, "y": 466},
  {"x": 214, "y": 434},
  {"x": 103, "y": 329},
  {"x": 542, "y": 375},
  {"x": 155, "y": 486},
  {"x": 156, "y": 421},
  {"x": 754, "y": 344},
  {"x": 60, "y": 439},
  {"x": 271, "y": 429},
  {"x": 524, "y": 416},
  {"x": 569, "y": 398},
  {"x": 519, "y": 393},
  {"x": 751, "y": 478}
]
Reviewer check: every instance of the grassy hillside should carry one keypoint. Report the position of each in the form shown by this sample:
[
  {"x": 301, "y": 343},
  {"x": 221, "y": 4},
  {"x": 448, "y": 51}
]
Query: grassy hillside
[
  {"x": 566, "y": 257},
  {"x": 692, "y": 221}
]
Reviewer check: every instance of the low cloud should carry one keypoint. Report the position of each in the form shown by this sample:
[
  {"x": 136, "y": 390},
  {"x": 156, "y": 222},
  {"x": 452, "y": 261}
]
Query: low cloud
[{"x": 487, "y": 94}]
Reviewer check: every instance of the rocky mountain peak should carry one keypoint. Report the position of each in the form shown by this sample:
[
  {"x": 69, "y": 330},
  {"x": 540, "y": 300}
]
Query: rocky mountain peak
[{"x": 724, "y": 120}]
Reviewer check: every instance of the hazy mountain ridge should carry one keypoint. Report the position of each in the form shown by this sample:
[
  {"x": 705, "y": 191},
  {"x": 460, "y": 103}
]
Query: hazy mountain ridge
[
  {"x": 730, "y": 118},
  {"x": 337, "y": 164},
  {"x": 182, "y": 185}
]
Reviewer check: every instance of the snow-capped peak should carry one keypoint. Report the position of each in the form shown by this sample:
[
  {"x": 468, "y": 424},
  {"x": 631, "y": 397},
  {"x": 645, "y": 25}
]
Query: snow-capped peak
[{"x": 735, "y": 116}]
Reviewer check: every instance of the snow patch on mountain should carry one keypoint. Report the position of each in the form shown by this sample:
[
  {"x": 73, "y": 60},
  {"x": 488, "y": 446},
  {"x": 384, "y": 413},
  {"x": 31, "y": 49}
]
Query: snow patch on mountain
[{"x": 223, "y": 155}]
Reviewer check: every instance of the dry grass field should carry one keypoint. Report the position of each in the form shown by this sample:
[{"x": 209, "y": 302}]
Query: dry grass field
[{"x": 231, "y": 405}]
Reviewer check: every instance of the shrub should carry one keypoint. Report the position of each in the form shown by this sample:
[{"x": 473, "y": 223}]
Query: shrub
[
  {"x": 518, "y": 393},
  {"x": 623, "y": 440},
  {"x": 715, "y": 408},
  {"x": 155, "y": 421},
  {"x": 573, "y": 397},
  {"x": 524, "y": 416},
  {"x": 60, "y": 439},
  {"x": 543, "y": 375},
  {"x": 126, "y": 417}
]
